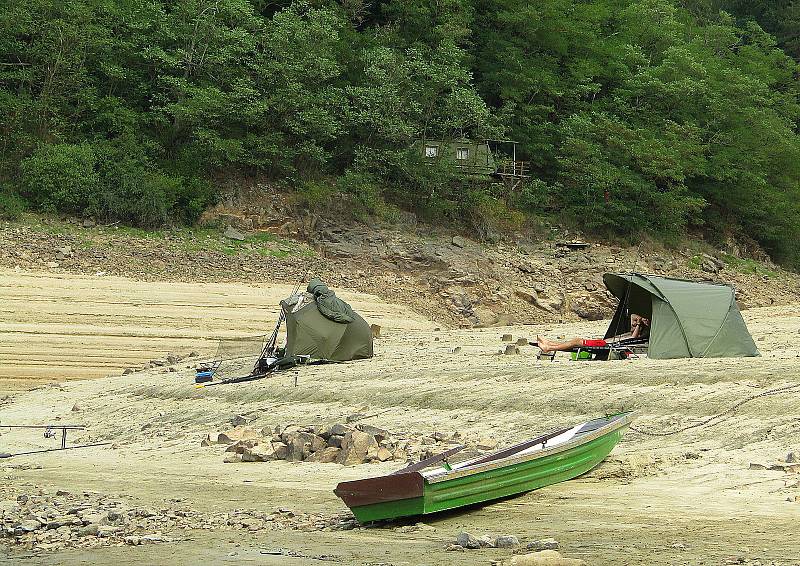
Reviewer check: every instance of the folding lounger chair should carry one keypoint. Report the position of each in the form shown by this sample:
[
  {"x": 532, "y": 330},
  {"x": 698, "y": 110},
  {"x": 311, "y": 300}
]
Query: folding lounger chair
[{"x": 623, "y": 348}]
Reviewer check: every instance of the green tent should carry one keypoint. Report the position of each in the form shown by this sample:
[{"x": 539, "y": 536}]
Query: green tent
[
  {"x": 688, "y": 319},
  {"x": 322, "y": 326}
]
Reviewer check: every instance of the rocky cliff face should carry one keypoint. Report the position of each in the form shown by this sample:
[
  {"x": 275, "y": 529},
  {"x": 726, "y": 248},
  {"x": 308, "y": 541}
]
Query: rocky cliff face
[
  {"x": 451, "y": 279},
  {"x": 514, "y": 280}
]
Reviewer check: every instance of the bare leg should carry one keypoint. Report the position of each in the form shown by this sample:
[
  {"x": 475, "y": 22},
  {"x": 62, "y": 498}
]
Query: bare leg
[{"x": 549, "y": 346}]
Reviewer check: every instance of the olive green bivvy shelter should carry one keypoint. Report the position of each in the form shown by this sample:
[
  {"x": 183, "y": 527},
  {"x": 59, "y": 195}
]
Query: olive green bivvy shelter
[
  {"x": 324, "y": 327},
  {"x": 688, "y": 319}
]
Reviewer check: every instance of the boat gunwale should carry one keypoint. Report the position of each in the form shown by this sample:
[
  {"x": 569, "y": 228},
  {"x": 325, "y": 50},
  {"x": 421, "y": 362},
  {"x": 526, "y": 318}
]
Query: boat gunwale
[{"x": 622, "y": 421}]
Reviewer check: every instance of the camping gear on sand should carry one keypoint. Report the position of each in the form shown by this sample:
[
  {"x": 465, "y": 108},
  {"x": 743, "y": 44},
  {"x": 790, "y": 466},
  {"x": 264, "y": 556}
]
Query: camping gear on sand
[
  {"x": 421, "y": 488},
  {"x": 324, "y": 327},
  {"x": 320, "y": 328},
  {"x": 689, "y": 319}
]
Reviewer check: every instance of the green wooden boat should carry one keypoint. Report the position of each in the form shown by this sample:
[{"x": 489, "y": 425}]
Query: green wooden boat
[{"x": 434, "y": 485}]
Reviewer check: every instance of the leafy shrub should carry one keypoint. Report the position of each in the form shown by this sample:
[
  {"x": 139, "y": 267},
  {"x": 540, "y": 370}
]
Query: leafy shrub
[
  {"x": 11, "y": 205},
  {"x": 364, "y": 190},
  {"x": 61, "y": 176}
]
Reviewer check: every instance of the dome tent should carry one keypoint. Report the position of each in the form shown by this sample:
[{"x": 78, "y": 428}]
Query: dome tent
[
  {"x": 324, "y": 327},
  {"x": 688, "y": 319}
]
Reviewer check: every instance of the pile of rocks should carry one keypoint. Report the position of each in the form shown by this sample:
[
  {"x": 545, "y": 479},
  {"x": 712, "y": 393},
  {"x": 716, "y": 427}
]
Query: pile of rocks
[
  {"x": 467, "y": 541},
  {"x": 167, "y": 363},
  {"x": 44, "y": 521},
  {"x": 344, "y": 444}
]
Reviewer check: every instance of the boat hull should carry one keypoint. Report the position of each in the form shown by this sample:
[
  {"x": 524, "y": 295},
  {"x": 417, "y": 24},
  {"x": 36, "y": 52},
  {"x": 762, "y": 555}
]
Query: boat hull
[{"x": 493, "y": 481}]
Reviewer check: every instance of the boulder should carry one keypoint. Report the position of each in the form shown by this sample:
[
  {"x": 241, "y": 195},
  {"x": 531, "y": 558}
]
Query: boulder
[
  {"x": 233, "y": 234},
  {"x": 240, "y": 446},
  {"x": 522, "y": 342},
  {"x": 466, "y": 540},
  {"x": 543, "y": 544},
  {"x": 281, "y": 450},
  {"x": 384, "y": 454},
  {"x": 340, "y": 429},
  {"x": 506, "y": 541},
  {"x": 459, "y": 242},
  {"x": 510, "y": 350},
  {"x": 400, "y": 454},
  {"x": 507, "y": 338},
  {"x": 237, "y": 420},
  {"x": 318, "y": 443},
  {"x": 335, "y": 441},
  {"x": 379, "y": 433},
  {"x": 232, "y": 458},
  {"x": 236, "y": 434},
  {"x": 357, "y": 447},
  {"x": 260, "y": 453},
  {"x": 326, "y": 455},
  {"x": 299, "y": 448}
]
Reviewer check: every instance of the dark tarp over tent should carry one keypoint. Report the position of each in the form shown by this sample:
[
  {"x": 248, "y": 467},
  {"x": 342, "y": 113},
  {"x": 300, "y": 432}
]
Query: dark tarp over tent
[
  {"x": 688, "y": 319},
  {"x": 325, "y": 327}
]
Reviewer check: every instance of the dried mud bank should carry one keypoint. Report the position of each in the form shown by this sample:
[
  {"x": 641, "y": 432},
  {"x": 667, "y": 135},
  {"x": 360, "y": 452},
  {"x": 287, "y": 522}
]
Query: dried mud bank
[{"x": 689, "y": 498}]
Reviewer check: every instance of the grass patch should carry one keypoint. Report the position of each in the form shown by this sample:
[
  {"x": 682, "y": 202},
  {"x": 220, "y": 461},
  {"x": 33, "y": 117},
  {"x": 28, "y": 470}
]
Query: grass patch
[{"x": 749, "y": 266}]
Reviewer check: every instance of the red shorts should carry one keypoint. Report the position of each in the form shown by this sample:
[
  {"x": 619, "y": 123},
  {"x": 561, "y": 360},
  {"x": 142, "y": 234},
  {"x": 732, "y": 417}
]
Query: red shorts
[{"x": 594, "y": 343}]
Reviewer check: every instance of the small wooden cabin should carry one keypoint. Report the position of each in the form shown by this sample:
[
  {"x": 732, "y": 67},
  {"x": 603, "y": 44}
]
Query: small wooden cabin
[
  {"x": 479, "y": 159},
  {"x": 472, "y": 157}
]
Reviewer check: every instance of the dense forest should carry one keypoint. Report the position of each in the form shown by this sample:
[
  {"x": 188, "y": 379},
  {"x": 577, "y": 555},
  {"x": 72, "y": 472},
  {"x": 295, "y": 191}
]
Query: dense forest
[{"x": 637, "y": 117}]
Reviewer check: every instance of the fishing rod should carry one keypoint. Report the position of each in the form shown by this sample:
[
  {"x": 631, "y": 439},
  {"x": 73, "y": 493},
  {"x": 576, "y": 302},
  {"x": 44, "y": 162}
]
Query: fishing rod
[
  {"x": 270, "y": 346},
  {"x": 50, "y": 432},
  {"x": 11, "y": 455}
]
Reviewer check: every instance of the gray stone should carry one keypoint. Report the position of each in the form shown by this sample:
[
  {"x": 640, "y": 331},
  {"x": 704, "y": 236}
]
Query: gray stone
[
  {"x": 378, "y": 433},
  {"x": 30, "y": 525},
  {"x": 357, "y": 447},
  {"x": 454, "y": 548},
  {"x": 466, "y": 540},
  {"x": 233, "y": 234},
  {"x": 543, "y": 544},
  {"x": 239, "y": 420},
  {"x": 792, "y": 458},
  {"x": 522, "y": 342},
  {"x": 105, "y": 531},
  {"x": 260, "y": 453},
  {"x": 281, "y": 450},
  {"x": 340, "y": 429},
  {"x": 90, "y": 530},
  {"x": 335, "y": 441},
  {"x": 232, "y": 458},
  {"x": 459, "y": 242},
  {"x": 326, "y": 455},
  {"x": 486, "y": 541},
  {"x": 506, "y": 541},
  {"x": 510, "y": 350},
  {"x": 507, "y": 338},
  {"x": 299, "y": 449},
  {"x": 318, "y": 443}
]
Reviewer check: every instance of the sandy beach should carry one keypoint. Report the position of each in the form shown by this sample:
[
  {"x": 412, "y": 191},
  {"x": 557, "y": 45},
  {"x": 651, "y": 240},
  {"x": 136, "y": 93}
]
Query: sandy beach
[{"x": 687, "y": 498}]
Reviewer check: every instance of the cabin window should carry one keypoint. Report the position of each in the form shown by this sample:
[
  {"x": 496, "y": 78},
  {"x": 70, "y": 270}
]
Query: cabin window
[
  {"x": 462, "y": 153},
  {"x": 431, "y": 151}
]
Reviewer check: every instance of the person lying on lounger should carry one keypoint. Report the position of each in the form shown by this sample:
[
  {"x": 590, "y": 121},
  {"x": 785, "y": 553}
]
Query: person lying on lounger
[{"x": 640, "y": 329}]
